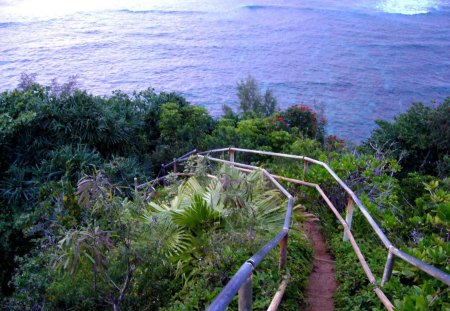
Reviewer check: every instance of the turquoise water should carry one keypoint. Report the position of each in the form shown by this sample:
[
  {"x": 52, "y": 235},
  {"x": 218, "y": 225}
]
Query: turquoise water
[{"x": 361, "y": 61}]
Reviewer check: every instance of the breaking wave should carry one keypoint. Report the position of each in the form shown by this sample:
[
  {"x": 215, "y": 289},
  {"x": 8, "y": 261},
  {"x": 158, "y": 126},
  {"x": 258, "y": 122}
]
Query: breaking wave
[{"x": 409, "y": 7}]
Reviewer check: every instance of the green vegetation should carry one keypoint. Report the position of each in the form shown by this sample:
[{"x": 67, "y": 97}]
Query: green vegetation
[
  {"x": 76, "y": 235},
  {"x": 420, "y": 137},
  {"x": 252, "y": 102}
]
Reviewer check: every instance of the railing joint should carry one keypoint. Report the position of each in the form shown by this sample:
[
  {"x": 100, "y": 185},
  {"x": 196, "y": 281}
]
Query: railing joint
[{"x": 250, "y": 261}]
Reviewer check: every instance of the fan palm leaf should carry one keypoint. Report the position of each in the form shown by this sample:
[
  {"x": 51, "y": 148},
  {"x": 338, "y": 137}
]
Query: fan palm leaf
[
  {"x": 199, "y": 216},
  {"x": 170, "y": 238},
  {"x": 269, "y": 208},
  {"x": 199, "y": 209}
]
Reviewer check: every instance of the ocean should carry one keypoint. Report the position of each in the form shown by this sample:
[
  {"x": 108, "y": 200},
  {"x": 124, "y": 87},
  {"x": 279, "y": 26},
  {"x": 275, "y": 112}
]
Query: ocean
[{"x": 361, "y": 60}]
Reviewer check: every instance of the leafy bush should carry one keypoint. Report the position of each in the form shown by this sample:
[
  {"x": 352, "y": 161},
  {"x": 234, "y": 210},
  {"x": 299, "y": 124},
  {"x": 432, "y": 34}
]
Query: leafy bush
[
  {"x": 420, "y": 136},
  {"x": 306, "y": 121}
]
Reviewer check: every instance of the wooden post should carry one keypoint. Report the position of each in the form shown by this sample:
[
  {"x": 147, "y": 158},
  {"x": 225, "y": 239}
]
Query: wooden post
[
  {"x": 231, "y": 152},
  {"x": 305, "y": 167},
  {"x": 135, "y": 185},
  {"x": 305, "y": 171},
  {"x": 283, "y": 252},
  {"x": 349, "y": 216},
  {"x": 246, "y": 295},
  {"x": 279, "y": 294},
  {"x": 163, "y": 173},
  {"x": 174, "y": 165}
]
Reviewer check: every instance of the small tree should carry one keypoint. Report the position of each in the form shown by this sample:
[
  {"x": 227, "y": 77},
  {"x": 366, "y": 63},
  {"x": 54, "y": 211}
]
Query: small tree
[
  {"x": 110, "y": 255},
  {"x": 252, "y": 101},
  {"x": 65, "y": 89},
  {"x": 26, "y": 81}
]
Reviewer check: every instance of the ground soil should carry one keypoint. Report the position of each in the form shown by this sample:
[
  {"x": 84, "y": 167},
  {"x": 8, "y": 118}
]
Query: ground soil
[{"x": 322, "y": 281}]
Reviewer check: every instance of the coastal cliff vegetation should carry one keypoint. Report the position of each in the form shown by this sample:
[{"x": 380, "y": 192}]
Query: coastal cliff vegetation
[{"x": 76, "y": 235}]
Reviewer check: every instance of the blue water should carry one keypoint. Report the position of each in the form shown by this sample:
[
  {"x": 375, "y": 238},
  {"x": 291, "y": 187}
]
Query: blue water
[{"x": 361, "y": 61}]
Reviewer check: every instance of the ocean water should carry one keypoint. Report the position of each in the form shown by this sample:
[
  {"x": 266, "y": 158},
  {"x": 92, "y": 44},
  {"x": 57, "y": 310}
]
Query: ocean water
[{"x": 362, "y": 60}]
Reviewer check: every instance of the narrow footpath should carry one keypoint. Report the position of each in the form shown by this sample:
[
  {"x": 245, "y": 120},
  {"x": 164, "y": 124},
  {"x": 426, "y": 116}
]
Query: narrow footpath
[{"x": 322, "y": 281}]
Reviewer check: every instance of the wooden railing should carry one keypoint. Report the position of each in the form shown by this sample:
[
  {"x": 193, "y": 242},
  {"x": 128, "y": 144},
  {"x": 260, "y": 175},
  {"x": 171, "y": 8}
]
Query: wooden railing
[{"x": 241, "y": 282}]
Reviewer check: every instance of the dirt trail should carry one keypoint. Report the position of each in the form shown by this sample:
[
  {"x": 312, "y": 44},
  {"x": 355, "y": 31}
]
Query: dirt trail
[{"x": 322, "y": 281}]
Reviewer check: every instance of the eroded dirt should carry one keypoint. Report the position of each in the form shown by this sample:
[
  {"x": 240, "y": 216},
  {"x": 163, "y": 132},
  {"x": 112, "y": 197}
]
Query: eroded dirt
[{"x": 322, "y": 281}]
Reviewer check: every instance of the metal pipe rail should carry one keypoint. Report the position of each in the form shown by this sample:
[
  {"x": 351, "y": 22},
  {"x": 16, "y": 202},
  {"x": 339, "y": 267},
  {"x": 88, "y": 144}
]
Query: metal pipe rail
[
  {"x": 228, "y": 293},
  {"x": 175, "y": 160},
  {"x": 393, "y": 251},
  {"x": 355, "y": 199},
  {"x": 242, "y": 280}
]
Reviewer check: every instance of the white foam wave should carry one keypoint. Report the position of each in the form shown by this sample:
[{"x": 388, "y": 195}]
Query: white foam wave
[{"x": 408, "y": 7}]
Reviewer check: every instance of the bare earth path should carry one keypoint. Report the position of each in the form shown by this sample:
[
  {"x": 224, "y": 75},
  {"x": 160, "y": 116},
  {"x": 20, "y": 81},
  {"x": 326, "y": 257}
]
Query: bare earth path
[{"x": 322, "y": 281}]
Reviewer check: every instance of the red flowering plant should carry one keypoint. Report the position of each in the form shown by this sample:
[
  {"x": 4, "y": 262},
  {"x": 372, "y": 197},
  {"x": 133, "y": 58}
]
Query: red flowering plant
[
  {"x": 306, "y": 120},
  {"x": 333, "y": 143},
  {"x": 279, "y": 124}
]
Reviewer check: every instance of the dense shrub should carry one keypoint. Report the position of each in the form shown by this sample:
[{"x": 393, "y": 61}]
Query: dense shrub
[
  {"x": 420, "y": 136},
  {"x": 51, "y": 138},
  {"x": 306, "y": 121}
]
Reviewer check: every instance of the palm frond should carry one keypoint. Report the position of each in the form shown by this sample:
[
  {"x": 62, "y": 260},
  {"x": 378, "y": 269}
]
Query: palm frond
[
  {"x": 170, "y": 238},
  {"x": 213, "y": 195},
  {"x": 197, "y": 217}
]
